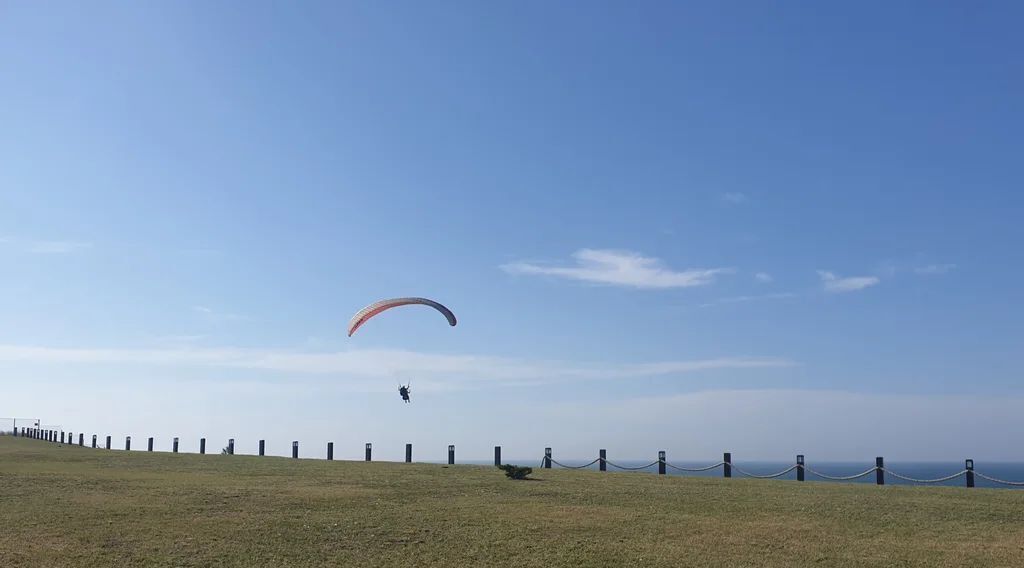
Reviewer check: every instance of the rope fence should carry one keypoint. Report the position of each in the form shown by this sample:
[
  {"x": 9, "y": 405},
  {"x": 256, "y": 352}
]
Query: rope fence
[
  {"x": 63, "y": 437},
  {"x": 879, "y": 470}
]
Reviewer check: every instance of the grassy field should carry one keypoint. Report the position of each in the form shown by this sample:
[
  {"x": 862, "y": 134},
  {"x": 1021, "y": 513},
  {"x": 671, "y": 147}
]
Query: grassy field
[{"x": 70, "y": 506}]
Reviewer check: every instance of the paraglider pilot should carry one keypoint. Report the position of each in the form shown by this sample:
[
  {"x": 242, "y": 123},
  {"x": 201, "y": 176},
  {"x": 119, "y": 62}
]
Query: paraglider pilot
[{"x": 404, "y": 391}]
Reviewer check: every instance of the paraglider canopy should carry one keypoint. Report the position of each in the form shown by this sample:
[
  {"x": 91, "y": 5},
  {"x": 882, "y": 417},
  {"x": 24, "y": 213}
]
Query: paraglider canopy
[{"x": 377, "y": 307}]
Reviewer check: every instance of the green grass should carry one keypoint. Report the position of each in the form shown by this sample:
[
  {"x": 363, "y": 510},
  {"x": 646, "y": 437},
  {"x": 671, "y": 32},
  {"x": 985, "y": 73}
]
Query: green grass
[{"x": 70, "y": 506}]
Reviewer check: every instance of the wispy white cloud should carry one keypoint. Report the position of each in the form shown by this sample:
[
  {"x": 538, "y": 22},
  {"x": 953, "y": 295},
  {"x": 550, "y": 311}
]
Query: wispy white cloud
[
  {"x": 734, "y": 198},
  {"x": 742, "y": 299},
  {"x": 450, "y": 370},
  {"x": 44, "y": 246},
  {"x": 763, "y": 277},
  {"x": 933, "y": 269},
  {"x": 216, "y": 316},
  {"x": 620, "y": 268},
  {"x": 833, "y": 283}
]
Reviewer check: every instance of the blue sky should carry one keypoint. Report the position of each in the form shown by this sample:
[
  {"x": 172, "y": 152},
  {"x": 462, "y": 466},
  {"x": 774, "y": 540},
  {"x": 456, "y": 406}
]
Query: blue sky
[{"x": 733, "y": 214}]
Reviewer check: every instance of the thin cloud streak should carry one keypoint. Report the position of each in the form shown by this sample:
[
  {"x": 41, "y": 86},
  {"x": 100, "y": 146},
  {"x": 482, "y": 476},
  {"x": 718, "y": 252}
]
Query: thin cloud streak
[
  {"x": 935, "y": 269},
  {"x": 45, "y": 246},
  {"x": 620, "y": 268},
  {"x": 833, "y": 283},
  {"x": 379, "y": 363},
  {"x": 743, "y": 299}
]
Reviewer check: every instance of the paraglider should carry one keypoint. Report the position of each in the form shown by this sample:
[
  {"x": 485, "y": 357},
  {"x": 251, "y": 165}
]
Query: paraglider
[{"x": 375, "y": 308}]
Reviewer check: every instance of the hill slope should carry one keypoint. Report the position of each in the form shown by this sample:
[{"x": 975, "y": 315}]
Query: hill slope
[{"x": 70, "y": 506}]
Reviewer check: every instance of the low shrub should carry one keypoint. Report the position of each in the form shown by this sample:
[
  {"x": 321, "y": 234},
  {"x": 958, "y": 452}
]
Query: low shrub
[{"x": 515, "y": 471}]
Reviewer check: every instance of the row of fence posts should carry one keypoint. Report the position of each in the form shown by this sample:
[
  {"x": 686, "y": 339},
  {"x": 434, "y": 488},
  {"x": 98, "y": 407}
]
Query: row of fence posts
[{"x": 51, "y": 436}]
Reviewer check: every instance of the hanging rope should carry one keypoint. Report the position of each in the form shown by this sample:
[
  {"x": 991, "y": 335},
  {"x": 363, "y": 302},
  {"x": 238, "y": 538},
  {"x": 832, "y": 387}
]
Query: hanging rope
[
  {"x": 911, "y": 479},
  {"x": 774, "y": 475},
  {"x": 1002, "y": 481},
  {"x": 694, "y": 469},
  {"x": 575, "y": 466},
  {"x": 653, "y": 463},
  {"x": 840, "y": 478}
]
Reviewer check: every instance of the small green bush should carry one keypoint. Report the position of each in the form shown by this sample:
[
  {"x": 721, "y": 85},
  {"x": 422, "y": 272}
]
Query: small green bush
[{"x": 515, "y": 471}]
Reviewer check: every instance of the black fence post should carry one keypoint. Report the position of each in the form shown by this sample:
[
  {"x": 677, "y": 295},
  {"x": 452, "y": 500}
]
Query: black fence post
[
  {"x": 81, "y": 439},
  {"x": 497, "y": 455},
  {"x": 202, "y": 446},
  {"x": 149, "y": 445},
  {"x": 661, "y": 462},
  {"x": 451, "y": 454},
  {"x": 727, "y": 468},
  {"x": 127, "y": 443},
  {"x": 408, "y": 453},
  {"x": 969, "y": 466},
  {"x": 879, "y": 471},
  {"x": 175, "y": 446},
  {"x": 369, "y": 451},
  {"x": 231, "y": 446},
  {"x": 108, "y": 442},
  {"x": 602, "y": 460},
  {"x": 62, "y": 437},
  {"x": 547, "y": 458},
  {"x": 94, "y": 441},
  {"x": 330, "y": 451},
  {"x": 263, "y": 446},
  {"x": 800, "y": 467},
  {"x": 295, "y": 450}
]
